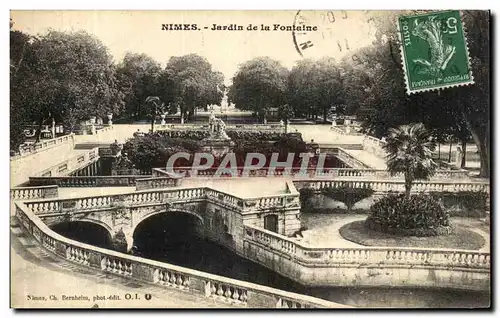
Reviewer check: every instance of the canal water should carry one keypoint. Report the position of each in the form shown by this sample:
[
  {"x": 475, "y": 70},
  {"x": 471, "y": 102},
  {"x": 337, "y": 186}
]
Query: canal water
[{"x": 169, "y": 238}]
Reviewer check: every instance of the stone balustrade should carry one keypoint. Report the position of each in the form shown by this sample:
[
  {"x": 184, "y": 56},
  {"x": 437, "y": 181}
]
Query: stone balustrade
[
  {"x": 224, "y": 198},
  {"x": 221, "y": 289},
  {"x": 314, "y": 173},
  {"x": 384, "y": 174},
  {"x": 341, "y": 131},
  {"x": 245, "y": 127},
  {"x": 349, "y": 159},
  {"x": 156, "y": 182},
  {"x": 71, "y": 164},
  {"x": 146, "y": 197},
  {"x": 276, "y": 201},
  {"x": 396, "y": 185},
  {"x": 382, "y": 256},
  {"x": 375, "y": 146},
  {"x": 44, "y": 145},
  {"x": 162, "y": 196},
  {"x": 29, "y": 193},
  {"x": 88, "y": 181},
  {"x": 67, "y": 205}
]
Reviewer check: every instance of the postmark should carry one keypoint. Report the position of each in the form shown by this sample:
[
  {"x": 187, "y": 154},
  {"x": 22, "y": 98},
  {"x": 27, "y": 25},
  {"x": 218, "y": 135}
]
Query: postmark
[
  {"x": 434, "y": 51},
  {"x": 334, "y": 36}
]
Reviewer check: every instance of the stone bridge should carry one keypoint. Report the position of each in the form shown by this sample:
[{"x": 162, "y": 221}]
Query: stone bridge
[
  {"x": 258, "y": 229},
  {"x": 224, "y": 291},
  {"x": 221, "y": 216}
]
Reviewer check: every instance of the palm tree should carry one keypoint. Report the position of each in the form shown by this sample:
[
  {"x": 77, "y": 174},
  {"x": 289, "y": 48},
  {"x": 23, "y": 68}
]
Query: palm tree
[
  {"x": 154, "y": 102},
  {"x": 409, "y": 149}
]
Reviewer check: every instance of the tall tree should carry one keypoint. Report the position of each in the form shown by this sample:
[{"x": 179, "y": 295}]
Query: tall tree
[
  {"x": 156, "y": 107},
  {"x": 383, "y": 102},
  {"x": 68, "y": 77},
  {"x": 20, "y": 43},
  {"x": 409, "y": 151},
  {"x": 285, "y": 112},
  {"x": 139, "y": 76},
  {"x": 259, "y": 85},
  {"x": 300, "y": 91},
  {"x": 194, "y": 83}
]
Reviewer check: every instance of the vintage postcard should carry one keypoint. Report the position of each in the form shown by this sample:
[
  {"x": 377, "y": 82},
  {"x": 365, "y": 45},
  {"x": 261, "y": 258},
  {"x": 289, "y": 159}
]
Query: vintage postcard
[{"x": 250, "y": 159}]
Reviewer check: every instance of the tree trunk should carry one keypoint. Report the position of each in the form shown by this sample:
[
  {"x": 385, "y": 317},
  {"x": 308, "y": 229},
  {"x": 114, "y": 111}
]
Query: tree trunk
[
  {"x": 408, "y": 185},
  {"x": 324, "y": 115},
  {"x": 483, "y": 145},
  {"x": 464, "y": 153},
  {"x": 449, "y": 154},
  {"x": 152, "y": 124},
  {"x": 484, "y": 157},
  {"x": 439, "y": 151},
  {"x": 39, "y": 130}
]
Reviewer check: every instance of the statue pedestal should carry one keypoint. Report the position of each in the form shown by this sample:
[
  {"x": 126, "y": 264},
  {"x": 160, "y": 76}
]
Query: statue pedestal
[{"x": 218, "y": 147}]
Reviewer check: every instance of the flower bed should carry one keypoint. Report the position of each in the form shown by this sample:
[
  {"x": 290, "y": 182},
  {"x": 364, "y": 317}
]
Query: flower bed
[{"x": 419, "y": 215}]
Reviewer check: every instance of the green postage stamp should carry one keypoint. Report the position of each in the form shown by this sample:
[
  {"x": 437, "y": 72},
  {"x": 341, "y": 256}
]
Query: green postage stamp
[{"x": 434, "y": 51}]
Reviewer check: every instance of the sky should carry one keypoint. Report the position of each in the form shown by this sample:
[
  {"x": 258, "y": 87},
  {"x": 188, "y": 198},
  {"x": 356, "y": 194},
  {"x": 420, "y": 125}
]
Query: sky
[{"x": 141, "y": 32}]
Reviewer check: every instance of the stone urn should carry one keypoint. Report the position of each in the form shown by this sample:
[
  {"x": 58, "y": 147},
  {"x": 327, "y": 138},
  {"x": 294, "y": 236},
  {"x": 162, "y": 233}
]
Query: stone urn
[
  {"x": 163, "y": 119},
  {"x": 110, "y": 117}
]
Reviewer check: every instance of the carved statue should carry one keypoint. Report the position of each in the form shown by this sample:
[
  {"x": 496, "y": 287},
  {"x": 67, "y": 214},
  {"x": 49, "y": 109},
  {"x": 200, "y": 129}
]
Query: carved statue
[
  {"x": 211, "y": 122},
  {"x": 217, "y": 128}
]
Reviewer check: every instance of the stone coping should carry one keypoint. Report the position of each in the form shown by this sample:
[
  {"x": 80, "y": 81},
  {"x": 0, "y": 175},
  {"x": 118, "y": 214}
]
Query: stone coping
[
  {"x": 44, "y": 145},
  {"x": 375, "y": 255}
]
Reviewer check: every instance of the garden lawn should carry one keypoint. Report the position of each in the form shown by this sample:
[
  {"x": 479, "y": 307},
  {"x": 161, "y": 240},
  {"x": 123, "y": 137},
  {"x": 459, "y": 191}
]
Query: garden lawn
[{"x": 461, "y": 238}]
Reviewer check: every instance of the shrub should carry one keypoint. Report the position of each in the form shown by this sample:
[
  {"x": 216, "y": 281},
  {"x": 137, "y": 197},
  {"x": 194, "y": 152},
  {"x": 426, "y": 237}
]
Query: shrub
[
  {"x": 420, "y": 215},
  {"x": 185, "y": 134},
  {"x": 119, "y": 242},
  {"x": 347, "y": 195},
  {"x": 254, "y": 135}
]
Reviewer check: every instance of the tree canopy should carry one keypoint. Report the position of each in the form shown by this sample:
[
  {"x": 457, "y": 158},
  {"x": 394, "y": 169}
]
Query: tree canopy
[
  {"x": 66, "y": 76},
  {"x": 259, "y": 84},
  {"x": 375, "y": 89},
  {"x": 315, "y": 86},
  {"x": 195, "y": 84},
  {"x": 139, "y": 76}
]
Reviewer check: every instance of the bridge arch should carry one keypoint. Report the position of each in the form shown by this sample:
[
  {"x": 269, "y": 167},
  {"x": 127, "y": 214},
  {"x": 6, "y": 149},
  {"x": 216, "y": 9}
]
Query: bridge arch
[
  {"x": 166, "y": 211},
  {"x": 166, "y": 231},
  {"x": 93, "y": 232}
]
